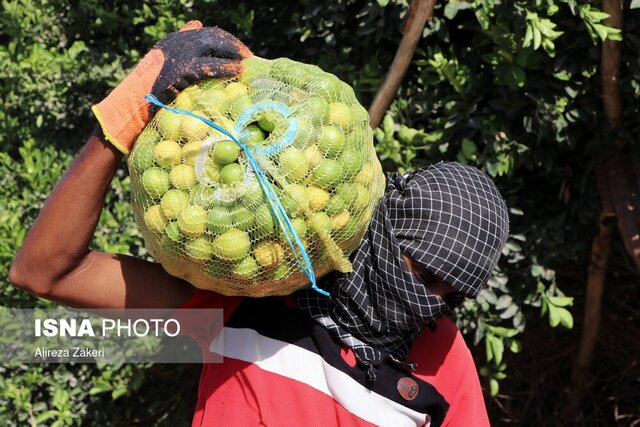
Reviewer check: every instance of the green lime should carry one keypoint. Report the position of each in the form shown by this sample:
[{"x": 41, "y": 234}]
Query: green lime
[
  {"x": 281, "y": 271},
  {"x": 360, "y": 115},
  {"x": 219, "y": 220},
  {"x": 313, "y": 155},
  {"x": 350, "y": 229},
  {"x": 231, "y": 173},
  {"x": 296, "y": 74},
  {"x": 327, "y": 173},
  {"x": 299, "y": 226},
  {"x": 365, "y": 176},
  {"x": 299, "y": 195},
  {"x": 183, "y": 177},
  {"x": 173, "y": 202},
  {"x": 202, "y": 195},
  {"x": 225, "y": 152},
  {"x": 239, "y": 105},
  {"x": 193, "y": 220},
  {"x": 269, "y": 254},
  {"x": 341, "y": 115},
  {"x": 340, "y": 220},
  {"x": 336, "y": 204},
  {"x": 212, "y": 168},
  {"x": 242, "y": 218},
  {"x": 173, "y": 231},
  {"x": 264, "y": 221},
  {"x": 319, "y": 222},
  {"x": 233, "y": 244},
  {"x": 167, "y": 154},
  {"x": 318, "y": 198},
  {"x": 331, "y": 140},
  {"x": 294, "y": 163},
  {"x": 305, "y": 133},
  {"x": 246, "y": 268},
  {"x": 235, "y": 90},
  {"x": 143, "y": 150},
  {"x": 252, "y": 68},
  {"x": 199, "y": 248},
  {"x": 345, "y": 93},
  {"x": 348, "y": 192},
  {"x": 213, "y": 102},
  {"x": 155, "y": 181},
  {"x": 190, "y": 152},
  {"x": 316, "y": 108},
  {"x": 184, "y": 100},
  {"x": 253, "y": 195},
  {"x": 269, "y": 120},
  {"x": 327, "y": 85},
  {"x": 253, "y": 135},
  {"x": 155, "y": 219},
  {"x": 362, "y": 200},
  {"x": 194, "y": 129},
  {"x": 169, "y": 124},
  {"x": 280, "y": 68},
  {"x": 359, "y": 137},
  {"x": 351, "y": 161}
]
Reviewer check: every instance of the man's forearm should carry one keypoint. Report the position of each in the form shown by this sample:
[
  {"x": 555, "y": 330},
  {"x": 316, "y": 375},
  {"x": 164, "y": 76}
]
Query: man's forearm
[{"x": 58, "y": 241}]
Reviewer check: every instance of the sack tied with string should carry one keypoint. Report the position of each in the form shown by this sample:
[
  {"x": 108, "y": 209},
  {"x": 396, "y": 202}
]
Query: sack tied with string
[{"x": 200, "y": 205}]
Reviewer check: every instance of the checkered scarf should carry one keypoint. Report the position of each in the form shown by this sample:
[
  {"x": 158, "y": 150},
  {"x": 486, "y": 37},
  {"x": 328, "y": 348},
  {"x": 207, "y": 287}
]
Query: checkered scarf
[{"x": 451, "y": 219}]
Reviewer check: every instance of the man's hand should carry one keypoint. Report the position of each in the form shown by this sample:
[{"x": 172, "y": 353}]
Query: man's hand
[{"x": 175, "y": 62}]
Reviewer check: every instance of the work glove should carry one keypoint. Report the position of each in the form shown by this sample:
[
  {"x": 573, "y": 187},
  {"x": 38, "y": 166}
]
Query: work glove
[{"x": 175, "y": 62}]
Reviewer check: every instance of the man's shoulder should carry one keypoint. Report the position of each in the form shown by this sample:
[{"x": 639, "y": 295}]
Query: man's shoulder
[{"x": 442, "y": 348}]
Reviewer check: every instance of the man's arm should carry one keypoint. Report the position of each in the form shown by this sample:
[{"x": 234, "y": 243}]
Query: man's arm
[{"x": 55, "y": 261}]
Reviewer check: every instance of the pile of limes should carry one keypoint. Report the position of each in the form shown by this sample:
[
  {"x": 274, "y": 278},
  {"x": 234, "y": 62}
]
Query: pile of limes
[{"x": 198, "y": 202}]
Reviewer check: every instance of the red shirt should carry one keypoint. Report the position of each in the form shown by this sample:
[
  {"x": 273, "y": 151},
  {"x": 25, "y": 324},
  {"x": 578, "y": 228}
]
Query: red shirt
[{"x": 281, "y": 368}]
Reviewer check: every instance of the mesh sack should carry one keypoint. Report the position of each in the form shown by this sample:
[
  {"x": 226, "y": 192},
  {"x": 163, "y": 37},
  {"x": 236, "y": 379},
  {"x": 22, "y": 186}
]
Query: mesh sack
[{"x": 200, "y": 207}]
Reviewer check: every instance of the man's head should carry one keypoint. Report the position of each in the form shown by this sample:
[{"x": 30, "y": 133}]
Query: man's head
[
  {"x": 434, "y": 239},
  {"x": 449, "y": 221}
]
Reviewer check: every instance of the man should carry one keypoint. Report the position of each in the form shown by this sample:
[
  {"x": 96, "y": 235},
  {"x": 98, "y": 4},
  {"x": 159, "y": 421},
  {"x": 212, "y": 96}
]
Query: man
[{"x": 377, "y": 352}]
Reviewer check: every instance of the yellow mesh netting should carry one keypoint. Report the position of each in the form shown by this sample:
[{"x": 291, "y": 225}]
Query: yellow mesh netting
[{"x": 200, "y": 208}]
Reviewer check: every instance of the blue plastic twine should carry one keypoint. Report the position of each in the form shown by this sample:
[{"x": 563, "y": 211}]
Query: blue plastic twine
[{"x": 272, "y": 198}]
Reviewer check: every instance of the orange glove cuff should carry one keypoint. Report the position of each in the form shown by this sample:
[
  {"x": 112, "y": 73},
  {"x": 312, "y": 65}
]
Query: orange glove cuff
[{"x": 124, "y": 113}]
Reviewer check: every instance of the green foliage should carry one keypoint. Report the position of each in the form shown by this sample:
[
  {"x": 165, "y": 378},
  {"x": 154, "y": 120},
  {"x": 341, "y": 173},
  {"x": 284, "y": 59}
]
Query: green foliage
[{"x": 510, "y": 87}]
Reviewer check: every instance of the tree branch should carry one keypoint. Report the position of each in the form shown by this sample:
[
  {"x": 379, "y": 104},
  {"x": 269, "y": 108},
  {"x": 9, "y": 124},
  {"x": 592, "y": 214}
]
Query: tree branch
[{"x": 420, "y": 12}]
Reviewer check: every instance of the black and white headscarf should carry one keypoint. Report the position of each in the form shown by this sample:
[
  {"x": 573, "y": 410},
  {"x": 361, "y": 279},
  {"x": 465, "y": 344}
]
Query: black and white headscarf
[{"x": 451, "y": 219}]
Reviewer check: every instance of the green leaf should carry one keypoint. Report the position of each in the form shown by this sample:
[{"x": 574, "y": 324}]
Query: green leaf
[
  {"x": 488, "y": 347},
  {"x": 494, "y": 387},
  {"x": 561, "y": 301},
  {"x": 469, "y": 148},
  {"x": 452, "y": 8},
  {"x": 537, "y": 38},
  {"x": 388, "y": 125},
  {"x": 528, "y": 37},
  {"x": 566, "y": 319},
  {"x": 497, "y": 348},
  {"x": 554, "y": 315}
]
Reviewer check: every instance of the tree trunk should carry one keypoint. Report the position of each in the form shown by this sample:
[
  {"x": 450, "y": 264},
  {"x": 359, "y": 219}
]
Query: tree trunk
[{"x": 609, "y": 176}]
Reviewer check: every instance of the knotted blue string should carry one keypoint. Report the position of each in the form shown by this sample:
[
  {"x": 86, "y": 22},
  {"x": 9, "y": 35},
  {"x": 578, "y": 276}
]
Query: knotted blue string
[{"x": 272, "y": 198}]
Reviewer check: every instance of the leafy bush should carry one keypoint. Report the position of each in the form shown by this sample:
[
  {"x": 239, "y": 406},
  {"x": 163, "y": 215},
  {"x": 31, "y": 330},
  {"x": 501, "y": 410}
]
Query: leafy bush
[{"x": 512, "y": 88}]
